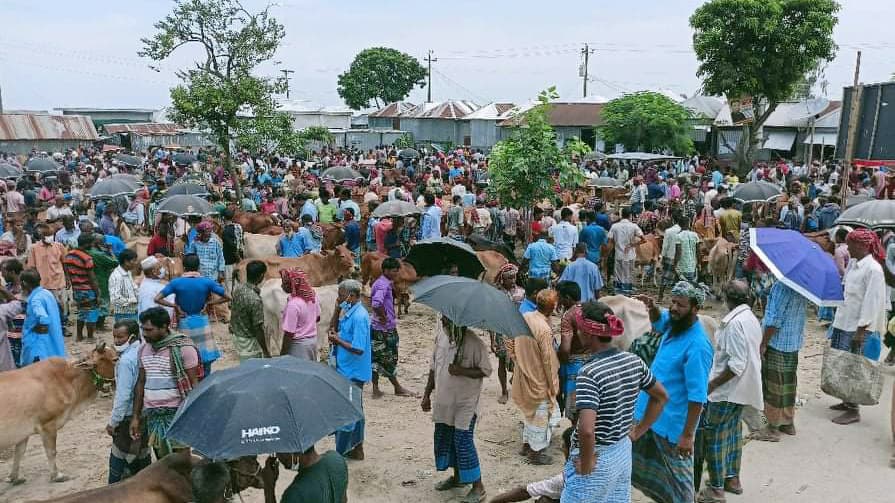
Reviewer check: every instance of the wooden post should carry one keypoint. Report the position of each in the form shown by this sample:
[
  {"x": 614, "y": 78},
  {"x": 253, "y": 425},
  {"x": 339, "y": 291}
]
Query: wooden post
[{"x": 851, "y": 139}]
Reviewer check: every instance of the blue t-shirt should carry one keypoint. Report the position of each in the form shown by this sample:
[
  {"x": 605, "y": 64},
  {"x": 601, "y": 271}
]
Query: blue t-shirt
[
  {"x": 115, "y": 243},
  {"x": 191, "y": 294},
  {"x": 594, "y": 237},
  {"x": 292, "y": 247},
  {"x": 527, "y": 306},
  {"x": 352, "y": 235},
  {"x": 354, "y": 328},
  {"x": 539, "y": 255},
  {"x": 603, "y": 221}
]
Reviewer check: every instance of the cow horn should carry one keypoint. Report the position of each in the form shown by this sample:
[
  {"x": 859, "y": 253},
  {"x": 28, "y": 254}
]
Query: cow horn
[{"x": 101, "y": 347}]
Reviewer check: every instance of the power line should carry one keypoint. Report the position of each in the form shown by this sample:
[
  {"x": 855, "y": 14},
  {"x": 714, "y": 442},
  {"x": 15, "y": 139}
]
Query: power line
[{"x": 462, "y": 87}]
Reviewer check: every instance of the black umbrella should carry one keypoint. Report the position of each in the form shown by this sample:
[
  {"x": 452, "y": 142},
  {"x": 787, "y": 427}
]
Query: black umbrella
[
  {"x": 266, "y": 405},
  {"x": 604, "y": 182},
  {"x": 43, "y": 165},
  {"x": 594, "y": 155},
  {"x": 340, "y": 173},
  {"x": 182, "y": 205},
  {"x": 183, "y": 158},
  {"x": 396, "y": 209},
  {"x": 471, "y": 303},
  {"x": 187, "y": 189},
  {"x": 856, "y": 200},
  {"x": 409, "y": 153},
  {"x": 115, "y": 185},
  {"x": 755, "y": 192},
  {"x": 129, "y": 160},
  {"x": 873, "y": 214},
  {"x": 433, "y": 256},
  {"x": 9, "y": 171}
]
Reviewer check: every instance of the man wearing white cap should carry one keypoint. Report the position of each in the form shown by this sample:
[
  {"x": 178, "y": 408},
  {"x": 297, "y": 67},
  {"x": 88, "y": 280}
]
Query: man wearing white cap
[{"x": 152, "y": 285}]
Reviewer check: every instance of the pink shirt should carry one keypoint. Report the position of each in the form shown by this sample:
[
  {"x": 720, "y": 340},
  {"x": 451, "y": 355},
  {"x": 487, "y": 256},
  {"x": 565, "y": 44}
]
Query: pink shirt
[
  {"x": 300, "y": 318},
  {"x": 841, "y": 256}
]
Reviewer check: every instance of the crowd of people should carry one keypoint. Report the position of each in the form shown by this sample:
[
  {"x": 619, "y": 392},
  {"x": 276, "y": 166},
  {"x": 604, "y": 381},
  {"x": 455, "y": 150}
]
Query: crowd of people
[{"x": 655, "y": 416}]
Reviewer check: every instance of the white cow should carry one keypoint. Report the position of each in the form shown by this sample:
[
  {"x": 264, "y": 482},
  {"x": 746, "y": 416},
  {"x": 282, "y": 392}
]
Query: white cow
[
  {"x": 274, "y": 299},
  {"x": 635, "y": 316},
  {"x": 260, "y": 246}
]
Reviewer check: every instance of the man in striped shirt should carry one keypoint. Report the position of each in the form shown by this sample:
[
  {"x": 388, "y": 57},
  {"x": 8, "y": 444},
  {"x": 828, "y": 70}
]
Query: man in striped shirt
[{"x": 606, "y": 393}]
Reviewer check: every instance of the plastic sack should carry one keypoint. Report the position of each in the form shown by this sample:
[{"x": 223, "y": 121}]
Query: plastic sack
[{"x": 851, "y": 377}]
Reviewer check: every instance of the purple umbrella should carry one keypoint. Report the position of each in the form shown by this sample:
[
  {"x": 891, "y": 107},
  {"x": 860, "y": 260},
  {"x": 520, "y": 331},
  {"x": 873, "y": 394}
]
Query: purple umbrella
[{"x": 799, "y": 263}]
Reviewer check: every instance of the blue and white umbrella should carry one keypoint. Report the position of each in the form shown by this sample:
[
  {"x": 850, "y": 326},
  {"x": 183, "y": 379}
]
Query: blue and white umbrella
[{"x": 799, "y": 263}]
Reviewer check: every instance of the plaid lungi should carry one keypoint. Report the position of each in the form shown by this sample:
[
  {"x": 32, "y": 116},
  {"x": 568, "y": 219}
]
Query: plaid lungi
[
  {"x": 779, "y": 383},
  {"x": 624, "y": 273},
  {"x": 158, "y": 421},
  {"x": 659, "y": 473},
  {"x": 88, "y": 307},
  {"x": 610, "y": 482},
  {"x": 455, "y": 448},
  {"x": 669, "y": 275},
  {"x": 719, "y": 443},
  {"x": 198, "y": 329},
  {"x": 646, "y": 346},
  {"x": 385, "y": 352}
]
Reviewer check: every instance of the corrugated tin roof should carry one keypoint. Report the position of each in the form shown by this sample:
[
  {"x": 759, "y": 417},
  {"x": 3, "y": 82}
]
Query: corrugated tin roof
[
  {"x": 308, "y": 107},
  {"x": 143, "y": 128},
  {"x": 568, "y": 115},
  {"x": 788, "y": 114},
  {"x": 702, "y": 106},
  {"x": 452, "y": 109},
  {"x": 492, "y": 111},
  {"x": 46, "y": 127},
  {"x": 393, "y": 109}
]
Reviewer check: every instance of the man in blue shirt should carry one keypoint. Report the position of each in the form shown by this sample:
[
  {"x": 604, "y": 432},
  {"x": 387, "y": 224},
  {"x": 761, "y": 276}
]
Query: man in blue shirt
[
  {"x": 310, "y": 241},
  {"x": 532, "y": 288},
  {"x": 344, "y": 203},
  {"x": 307, "y": 207},
  {"x": 585, "y": 273},
  {"x": 291, "y": 243},
  {"x": 431, "y": 225},
  {"x": 540, "y": 257},
  {"x": 663, "y": 457},
  {"x": 352, "y": 234},
  {"x": 593, "y": 236},
  {"x": 42, "y": 331},
  {"x": 601, "y": 218},
  {"x": 353, "y": 356},
  {"x": 192, "y": 293}
]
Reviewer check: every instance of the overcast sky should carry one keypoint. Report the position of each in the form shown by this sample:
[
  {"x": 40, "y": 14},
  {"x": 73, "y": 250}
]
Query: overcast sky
[{"x": 63, "y": 53}]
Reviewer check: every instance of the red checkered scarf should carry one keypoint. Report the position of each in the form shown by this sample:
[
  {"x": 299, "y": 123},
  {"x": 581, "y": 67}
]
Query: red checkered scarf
[
  {"x": 295, "y": 283},
  {"x": 869, "y": 239},
  {"x": 612, "y": 328}
]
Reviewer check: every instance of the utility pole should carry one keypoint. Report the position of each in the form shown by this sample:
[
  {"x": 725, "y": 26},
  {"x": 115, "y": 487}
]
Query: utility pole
[
  {"x": 429, "y": 60},
  {"x": 586, "y": 51},
  {"x": 852, "y": 138},
  {"x": 286, "y": 76}
]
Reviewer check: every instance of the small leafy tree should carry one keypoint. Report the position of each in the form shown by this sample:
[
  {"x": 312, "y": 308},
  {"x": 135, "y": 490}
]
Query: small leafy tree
[
  {"x": 521, "y": 168},
  {"x": 221, "y": 86},
  {"x": 404, "y": 141},
  {"x": 762, "y": 49},
  {"x": 273, "y": 134},
  {"x": 317, "y": 133},
  {"x": 646, "y": 121},
  {"x": 381, "y": 75}
]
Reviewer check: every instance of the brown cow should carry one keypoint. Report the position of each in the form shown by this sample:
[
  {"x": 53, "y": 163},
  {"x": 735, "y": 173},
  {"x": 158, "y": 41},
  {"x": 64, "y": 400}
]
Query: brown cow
[
  {"x": 41, "y": 397},
  {"x": 822, "y": 238},
  {"x": 371, "y": 269},
  {"x": 492, "y": 261},
  {"x": 324, "y": 268},
  {"x": 722, "y": 258},
  {"x": 253, "y": 222},
  {"x": 333, "y": 236},
  {"x": 649, "y": 253},
  {"x": 168, "y": 480}
]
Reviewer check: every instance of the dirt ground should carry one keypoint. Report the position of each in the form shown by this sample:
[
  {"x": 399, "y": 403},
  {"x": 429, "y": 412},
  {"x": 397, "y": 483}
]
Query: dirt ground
[{"x": 823, "y": 463}]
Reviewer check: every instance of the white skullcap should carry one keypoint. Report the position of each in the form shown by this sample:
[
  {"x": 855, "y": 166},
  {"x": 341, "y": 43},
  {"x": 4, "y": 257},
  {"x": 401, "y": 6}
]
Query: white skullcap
[{"x": 148, "y": 263}]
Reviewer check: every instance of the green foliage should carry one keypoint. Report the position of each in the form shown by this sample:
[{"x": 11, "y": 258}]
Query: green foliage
[
  {"x": 381, "y": 75},
  {"x": 521, "y": 167},
  {"x": 646, "y": 121},
  {"x": 404, "y": 141},
  {"x": 273, "y": 133},
  {"x": 317, "y": 133},
  {"x": 763, "y": 49},
  {"x": 221, "y": 85}
]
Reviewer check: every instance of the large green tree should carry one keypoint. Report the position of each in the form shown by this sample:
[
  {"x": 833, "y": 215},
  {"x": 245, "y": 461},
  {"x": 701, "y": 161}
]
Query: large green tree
[
  {"x": 646, "y": 121},
  {"x": 521, "y": 167},
  {"x": 222, "y": 86},
  {"x": 380, "y": 75},
  {"x": 762, "y": 49}
]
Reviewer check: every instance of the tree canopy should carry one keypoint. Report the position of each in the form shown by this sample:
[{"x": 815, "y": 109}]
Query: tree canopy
[
  {"x": 380, "y": 75},
  {"x": 221, "y": 86},
  {"x": 646, "y": 121},
  {"x": 521, "y": 167},
  {"x": 762, "y": 49}
]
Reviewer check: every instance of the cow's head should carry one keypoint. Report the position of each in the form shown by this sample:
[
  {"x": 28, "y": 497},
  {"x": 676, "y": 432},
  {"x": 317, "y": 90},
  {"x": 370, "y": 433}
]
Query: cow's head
[
  {"x": 101, "y": 364},
  {"x": 342, "y": 260}
]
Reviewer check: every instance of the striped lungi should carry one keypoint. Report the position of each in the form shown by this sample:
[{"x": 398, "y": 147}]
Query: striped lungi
[
  {"x": 455, "y": 448},
  {"x": 624, "y": 274},
  {"x": 658, "y": 471},
  {"x": 719, "y": 443},
  {"x": 610, "y": 482},
  {"x": 568, "y": 373},
  {"x": 779, "y": 383}
]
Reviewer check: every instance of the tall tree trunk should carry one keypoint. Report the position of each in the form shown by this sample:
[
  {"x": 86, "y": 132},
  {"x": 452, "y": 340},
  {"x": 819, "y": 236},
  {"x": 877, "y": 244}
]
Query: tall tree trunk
[
  {"x": 228, "y": 167},
  {"x": 749, "y": 141}
]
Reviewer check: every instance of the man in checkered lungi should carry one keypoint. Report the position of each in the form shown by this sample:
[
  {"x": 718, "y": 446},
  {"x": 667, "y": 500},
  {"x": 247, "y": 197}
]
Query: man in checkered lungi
[{"x": 734, "y": 383}]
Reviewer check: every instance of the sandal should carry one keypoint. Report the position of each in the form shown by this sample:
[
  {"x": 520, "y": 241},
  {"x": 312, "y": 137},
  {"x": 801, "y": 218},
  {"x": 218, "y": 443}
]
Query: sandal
[
  {"x": 840, "y": 406},
  {"x": 733, "y": 489},
  {"x": 474, "y": 497},
  {"x": 708, "y": 496},
  {"x": 448, "y": 484},
  {"x": 764, "y": 435}
]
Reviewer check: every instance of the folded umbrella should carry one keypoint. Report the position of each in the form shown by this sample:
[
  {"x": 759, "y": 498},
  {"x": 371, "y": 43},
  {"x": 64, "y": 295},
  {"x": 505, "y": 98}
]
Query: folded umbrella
[
  {"x": 799, "y": 263},
  {"x": 396, "y": 209},
  {"x": 182, "y": 205},
  {"x": 431, "y": 257},
  {"x": 471, "y": 303},
  {"x": 754, "y": 192},
  {"x": 266, "y": 405}
]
